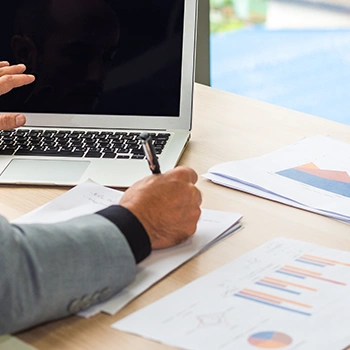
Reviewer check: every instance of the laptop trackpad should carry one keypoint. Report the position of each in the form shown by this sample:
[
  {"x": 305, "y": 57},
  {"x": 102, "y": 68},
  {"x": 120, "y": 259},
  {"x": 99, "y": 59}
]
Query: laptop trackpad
[{"x": 36, "y": 170}]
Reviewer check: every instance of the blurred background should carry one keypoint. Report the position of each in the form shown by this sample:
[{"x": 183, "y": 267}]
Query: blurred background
[{"x": 293, "y": 53}]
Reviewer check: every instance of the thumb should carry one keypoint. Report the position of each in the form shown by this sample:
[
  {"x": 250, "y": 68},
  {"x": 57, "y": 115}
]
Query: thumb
[{"x": 10, "y": 121}]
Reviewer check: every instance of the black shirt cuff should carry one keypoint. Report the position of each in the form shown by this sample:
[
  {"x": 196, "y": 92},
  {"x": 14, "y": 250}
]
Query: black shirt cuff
[{"x": 131, "y": 228}]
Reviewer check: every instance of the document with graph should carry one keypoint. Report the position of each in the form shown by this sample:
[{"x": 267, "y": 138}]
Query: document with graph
[
  {"x": 312, "y": 174},
  {"x": 285, "y": 294}
]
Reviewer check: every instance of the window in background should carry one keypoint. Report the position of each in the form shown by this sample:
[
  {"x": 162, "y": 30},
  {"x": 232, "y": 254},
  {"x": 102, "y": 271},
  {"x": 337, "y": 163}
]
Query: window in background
[{"x": 286, "y": 52}]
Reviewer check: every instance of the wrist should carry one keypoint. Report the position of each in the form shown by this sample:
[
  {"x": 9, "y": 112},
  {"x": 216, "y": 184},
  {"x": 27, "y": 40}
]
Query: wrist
[{"x": 132, "y": 229}]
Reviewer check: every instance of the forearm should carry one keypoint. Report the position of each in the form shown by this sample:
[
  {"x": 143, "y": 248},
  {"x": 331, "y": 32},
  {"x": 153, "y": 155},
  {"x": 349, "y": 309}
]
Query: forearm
[{"x": 45, "y": 268}]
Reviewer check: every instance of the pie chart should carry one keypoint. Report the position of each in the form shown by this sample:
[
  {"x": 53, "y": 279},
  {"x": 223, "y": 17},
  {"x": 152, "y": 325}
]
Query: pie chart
[{"x": 270, "y": 340}]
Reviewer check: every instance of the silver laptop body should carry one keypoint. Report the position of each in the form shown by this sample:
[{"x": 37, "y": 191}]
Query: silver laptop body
[{"x": 149, "y": 88}]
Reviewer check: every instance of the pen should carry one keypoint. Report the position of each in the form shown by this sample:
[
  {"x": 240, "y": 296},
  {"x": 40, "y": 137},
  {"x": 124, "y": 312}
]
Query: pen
[{"x": 150, "y": 153}]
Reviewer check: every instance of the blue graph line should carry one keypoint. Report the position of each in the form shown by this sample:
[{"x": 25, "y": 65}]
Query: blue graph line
[
  {"x": 269, "y": 304},
  {"x": 290, "y": 274},
  {"x": 311, "y": 263},
  {"x": 275, "y": 287}
]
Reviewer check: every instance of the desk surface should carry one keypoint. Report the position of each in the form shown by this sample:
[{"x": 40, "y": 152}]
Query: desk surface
[{"x": 225, "y": 127}]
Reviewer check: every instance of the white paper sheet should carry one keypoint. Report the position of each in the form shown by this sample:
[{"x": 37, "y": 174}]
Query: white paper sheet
[
  {"x": 312, "y": 174},
  {"x": 8, "y": 342},
  {"x": 285, "y": 294},
  {"x": 86, "y": 198},
  {"x": 220, "y": 180},
  {"x": 90, "y": 197}
]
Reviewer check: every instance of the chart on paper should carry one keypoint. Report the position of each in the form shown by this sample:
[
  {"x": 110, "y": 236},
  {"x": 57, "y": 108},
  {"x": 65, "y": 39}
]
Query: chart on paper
[
  {"x": 335, "y": 181},
  {"x": 311, "y": 174},
  {"x": 287, "y": 295},
  {"x": 276, "y": 296},
  {"x": 270, "y": 340}
]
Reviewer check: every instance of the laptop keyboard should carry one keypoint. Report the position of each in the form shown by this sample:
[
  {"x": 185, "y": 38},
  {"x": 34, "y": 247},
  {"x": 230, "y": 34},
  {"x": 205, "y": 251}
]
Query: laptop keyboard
[{"x": 87, "y": 144}]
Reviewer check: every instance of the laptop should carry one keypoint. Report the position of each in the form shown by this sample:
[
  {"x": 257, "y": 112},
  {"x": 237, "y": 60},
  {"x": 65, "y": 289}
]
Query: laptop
[{"x": 106, "y": 70}]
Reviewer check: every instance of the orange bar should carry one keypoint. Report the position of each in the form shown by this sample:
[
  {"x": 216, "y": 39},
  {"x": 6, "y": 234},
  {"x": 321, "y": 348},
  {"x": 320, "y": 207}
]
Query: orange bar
[
  {"x": 270, "y": 300},
  {"x": 253, "y": 292},
  {"x": 293, "y": 268},
  {"x": 273, "y": 282},
  {"x": 327, "y": 260},
  {"x": 291, "y": 284},
  {"x": 316, "y": 260}
]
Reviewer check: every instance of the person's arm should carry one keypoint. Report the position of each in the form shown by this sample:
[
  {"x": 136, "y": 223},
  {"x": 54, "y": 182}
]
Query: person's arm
[
  {"x": 50, "y": 271},
  {"x": 53, "y": 270}
]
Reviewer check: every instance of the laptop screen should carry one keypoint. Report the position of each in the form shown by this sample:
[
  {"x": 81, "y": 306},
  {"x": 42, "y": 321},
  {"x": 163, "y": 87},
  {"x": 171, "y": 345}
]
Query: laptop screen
[{"x": 95, "y": 57}]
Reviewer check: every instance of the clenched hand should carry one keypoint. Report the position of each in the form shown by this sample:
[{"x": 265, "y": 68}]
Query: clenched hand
[{"x": 167, "y": 205}]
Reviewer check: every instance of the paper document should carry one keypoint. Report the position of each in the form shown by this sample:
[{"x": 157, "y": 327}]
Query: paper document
[
  {"x": 8, "y": 342},
  {"x": 90, "y": 197},
  {"x": 312, "y": 174},
  {"x": 285, "y": 294}
]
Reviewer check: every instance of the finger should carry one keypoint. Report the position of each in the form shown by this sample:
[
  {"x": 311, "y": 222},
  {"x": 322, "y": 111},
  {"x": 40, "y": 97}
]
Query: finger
[
  {"x": 198, "y": 196},
  {"x": 16, "y": 69},
  {"x": 11, "y": 121},
  {"x": 4, "y": 64},
  {"x": 8, "y": 82},
  {"x": 183, "y": 173}
]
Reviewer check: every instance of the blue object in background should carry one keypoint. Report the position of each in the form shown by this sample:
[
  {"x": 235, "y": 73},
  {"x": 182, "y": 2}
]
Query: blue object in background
[{"x": 304, "y": 70}]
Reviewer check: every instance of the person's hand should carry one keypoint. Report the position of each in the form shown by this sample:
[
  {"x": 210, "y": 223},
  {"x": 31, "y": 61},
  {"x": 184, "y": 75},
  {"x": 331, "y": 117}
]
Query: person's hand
[
  {"x": 10, "y": 78},
  {"x": 167, "y": 205}
]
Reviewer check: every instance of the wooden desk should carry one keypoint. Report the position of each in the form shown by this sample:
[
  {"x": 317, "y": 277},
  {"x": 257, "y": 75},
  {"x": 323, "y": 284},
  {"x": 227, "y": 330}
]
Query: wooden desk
[{"x": 226, "y": 127}]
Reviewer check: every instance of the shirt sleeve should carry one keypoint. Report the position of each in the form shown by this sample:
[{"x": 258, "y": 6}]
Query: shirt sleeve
[{"x": 132, "y": 229}]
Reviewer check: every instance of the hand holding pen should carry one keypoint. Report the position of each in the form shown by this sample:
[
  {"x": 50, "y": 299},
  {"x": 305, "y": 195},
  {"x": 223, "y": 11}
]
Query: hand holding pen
[{"x": 167, "y": 205}]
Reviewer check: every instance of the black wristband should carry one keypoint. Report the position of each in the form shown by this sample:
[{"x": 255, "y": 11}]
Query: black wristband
[{"x": 131, "y": 228}]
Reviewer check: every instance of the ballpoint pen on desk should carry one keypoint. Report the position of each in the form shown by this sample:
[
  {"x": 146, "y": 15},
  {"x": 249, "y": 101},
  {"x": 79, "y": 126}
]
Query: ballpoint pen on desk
[{"x": 150, "y": 153}]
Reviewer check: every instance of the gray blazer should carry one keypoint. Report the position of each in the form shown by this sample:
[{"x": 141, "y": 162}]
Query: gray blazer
[{"x": 48, "y": 271}]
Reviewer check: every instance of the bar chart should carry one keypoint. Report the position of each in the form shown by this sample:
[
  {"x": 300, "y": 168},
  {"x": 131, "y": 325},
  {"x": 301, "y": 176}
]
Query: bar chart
[{"x": 279, "y": 296}]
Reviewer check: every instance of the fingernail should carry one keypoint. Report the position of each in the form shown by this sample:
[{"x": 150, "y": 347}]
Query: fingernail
[{"x": 20, "y": 120}]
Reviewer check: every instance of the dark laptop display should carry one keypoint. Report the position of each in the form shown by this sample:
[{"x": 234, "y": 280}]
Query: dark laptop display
[{"x": 101, "y": 57}]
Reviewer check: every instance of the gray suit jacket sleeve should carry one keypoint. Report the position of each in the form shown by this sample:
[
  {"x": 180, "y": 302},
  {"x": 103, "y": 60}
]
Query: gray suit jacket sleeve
[{"x": 48, "y": 271}]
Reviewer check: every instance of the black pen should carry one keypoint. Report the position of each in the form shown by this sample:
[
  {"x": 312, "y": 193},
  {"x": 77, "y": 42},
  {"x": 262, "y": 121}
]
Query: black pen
[{"x": 150, "y": 153}]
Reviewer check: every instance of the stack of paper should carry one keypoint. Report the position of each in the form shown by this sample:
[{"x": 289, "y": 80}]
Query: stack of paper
[
  {"x": 312, "y": 174},
  {"x": 286, "y": 294},
  {"x": 90, "y": 197}
]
